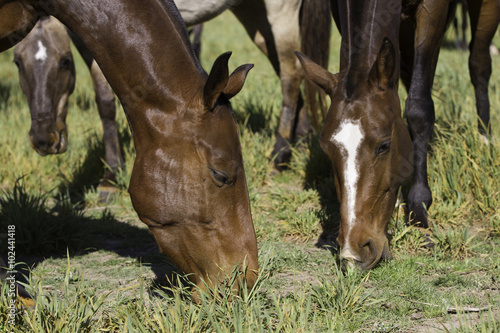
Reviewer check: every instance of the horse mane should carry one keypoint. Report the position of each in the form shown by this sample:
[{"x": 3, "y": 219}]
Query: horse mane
[
  {"x": 366, "y": 24},
  {"x": 315, "y": 30},
  {"x": 183, "y": 32}
]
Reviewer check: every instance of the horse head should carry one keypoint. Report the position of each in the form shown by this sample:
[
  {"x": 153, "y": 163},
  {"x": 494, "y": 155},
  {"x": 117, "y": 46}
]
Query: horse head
[
  {"x": 188, "y": 181},
  {"x": 47, "y": 78},
  {"x": 370, "y": 149},
  {"x": 200, "y": 215}
]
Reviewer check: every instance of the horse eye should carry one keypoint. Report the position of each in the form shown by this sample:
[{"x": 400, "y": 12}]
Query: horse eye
[
  {"x": 221, "y": 178},
  {"x": 66, "y": 62},
  {"x": 19, "y": 64},
  {"x": 384, "y": 147}
]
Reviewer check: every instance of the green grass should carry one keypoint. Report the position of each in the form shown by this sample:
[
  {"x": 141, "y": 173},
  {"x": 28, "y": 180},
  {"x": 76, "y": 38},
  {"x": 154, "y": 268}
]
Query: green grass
[{"x": 95, "y": 268}]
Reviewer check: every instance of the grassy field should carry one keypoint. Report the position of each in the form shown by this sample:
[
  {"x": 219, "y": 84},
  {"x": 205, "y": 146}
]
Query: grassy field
[{"x": 94, "y": 267}]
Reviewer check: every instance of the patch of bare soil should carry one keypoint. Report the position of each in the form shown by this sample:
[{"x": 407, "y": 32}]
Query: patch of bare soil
[
  {"x": 295, "y": 280},
  {"x": 453, "y": 322}
]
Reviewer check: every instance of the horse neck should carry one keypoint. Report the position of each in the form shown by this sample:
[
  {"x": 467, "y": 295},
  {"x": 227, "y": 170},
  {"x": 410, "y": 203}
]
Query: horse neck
[
  {"x": 142, "y": 48},
  {"x": 364, "y": 25}
]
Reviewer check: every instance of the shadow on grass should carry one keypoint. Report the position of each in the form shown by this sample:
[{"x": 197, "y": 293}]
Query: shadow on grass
[
  {"x": 90, "y": 173},
  {"x": 319, "y": 176},
  {"x": 452, "y": 44},
  {"x": 4, "y": 92},
  {"x": 42, "y": 232},
  {"x": 87, "y": 175},
  {"x": 254, "y": 115}
]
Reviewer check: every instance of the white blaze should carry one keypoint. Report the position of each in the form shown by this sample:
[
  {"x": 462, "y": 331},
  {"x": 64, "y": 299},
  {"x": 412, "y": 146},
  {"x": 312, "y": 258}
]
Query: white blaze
[
  {"x": 41, "y": 54},
  {"x": 348, "y": 138}
]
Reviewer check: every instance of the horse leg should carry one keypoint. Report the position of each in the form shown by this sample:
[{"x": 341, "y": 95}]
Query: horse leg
[
  {"x": 105, "y": 100},
  {"x": 268, "y": 24},
  {"x": 196, "y": 32},
  {"x": 431, "y": 21},
  {"x": 463, "y": 43},
  {"x": 294, "y": 120},
  {"x": 484, "y": 17},
  {"x": 106, "y": 106}
]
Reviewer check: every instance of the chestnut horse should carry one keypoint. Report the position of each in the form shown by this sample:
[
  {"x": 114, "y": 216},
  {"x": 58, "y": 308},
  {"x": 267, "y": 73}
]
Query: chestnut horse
[
  {"x": 47, "y": 78},
  {"x": 188, "y": 182},
  {"x": 278, "y": 28},
  {"x": 364, "y": 134}
]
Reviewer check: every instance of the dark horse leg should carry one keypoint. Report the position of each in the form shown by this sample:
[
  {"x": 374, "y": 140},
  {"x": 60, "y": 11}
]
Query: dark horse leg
[
  {"x": 484, "y": 17},
  {"x": 196, "y": 42},
  {"x": 460, "y": 41},
  {"x": 105, "y": 100},
  {"x": 426, "y": 23}
]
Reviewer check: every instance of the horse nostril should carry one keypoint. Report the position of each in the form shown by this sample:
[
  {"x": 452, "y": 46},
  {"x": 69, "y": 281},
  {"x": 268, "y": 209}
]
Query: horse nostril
[
  {"x": 45, "y": 144},
  {"x": 371, "y": 249},
  {"x": 42, "y": 144}
]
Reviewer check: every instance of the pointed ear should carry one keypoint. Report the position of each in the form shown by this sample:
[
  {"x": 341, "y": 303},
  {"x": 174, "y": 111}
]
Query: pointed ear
[
  {"x": 217, "y": 80},
  {"x": 382, "y": 72},
  {"x": 317, "y": 74},
  {"x": 237, "y": 80}
]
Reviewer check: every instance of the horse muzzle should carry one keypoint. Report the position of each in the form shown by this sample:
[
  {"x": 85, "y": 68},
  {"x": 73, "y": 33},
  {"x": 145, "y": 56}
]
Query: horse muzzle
[
  {"x": 365, "y": 256},
  {"x": 55, "y": 142}
]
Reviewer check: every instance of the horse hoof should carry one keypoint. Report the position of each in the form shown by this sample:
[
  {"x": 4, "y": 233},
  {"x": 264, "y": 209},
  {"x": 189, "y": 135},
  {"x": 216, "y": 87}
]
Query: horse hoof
[
  {"x": 428, "y": 243},
  {"x": 107, "y": 193},
  {"x": 484, "y": 139}
]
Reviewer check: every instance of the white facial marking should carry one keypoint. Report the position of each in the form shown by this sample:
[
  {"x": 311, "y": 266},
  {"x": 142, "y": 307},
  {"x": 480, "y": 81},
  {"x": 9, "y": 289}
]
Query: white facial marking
[
  {"x": 41, "y": 54},
  {"x": 348, "y": 138}
]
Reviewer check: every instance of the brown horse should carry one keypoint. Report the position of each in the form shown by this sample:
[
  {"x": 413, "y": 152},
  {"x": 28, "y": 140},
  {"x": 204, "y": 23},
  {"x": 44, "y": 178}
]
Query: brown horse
[
  {"x": 364, "y": 134},
  {"x": 188, "y": 182},
  {"x": 370, "y": 150},
  {"x": 423, "y": 25},
  {"x": 47, "y": 78}
]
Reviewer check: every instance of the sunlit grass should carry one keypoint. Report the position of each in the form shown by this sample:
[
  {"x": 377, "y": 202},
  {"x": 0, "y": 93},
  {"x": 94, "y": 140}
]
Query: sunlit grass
[{"x": 112, "y": 281}]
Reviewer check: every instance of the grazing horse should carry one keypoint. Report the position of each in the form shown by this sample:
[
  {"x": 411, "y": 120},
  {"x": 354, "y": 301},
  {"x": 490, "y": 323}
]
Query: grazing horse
[
  {"x": 188, "y": 182},
  {"x": 278, "y": 27},
  {"x": 364, "y": 134},
  {"x": 47, "y": 78},
  {"x": 423, "y": 25},
  {"x": 369, "y": 165}
]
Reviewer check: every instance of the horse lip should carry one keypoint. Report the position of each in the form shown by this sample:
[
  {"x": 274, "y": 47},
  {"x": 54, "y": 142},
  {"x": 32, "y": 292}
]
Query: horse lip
[
  {"x": 62, "y": 143},
  {"x": 350, "y": 263},
  {"x": 40, "y": 152}
]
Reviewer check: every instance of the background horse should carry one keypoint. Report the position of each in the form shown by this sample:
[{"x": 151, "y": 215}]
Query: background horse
[
  {"x": 278, "y": 28},
  {"x": 188, "y": 182},
  {"x": 423, "y": 26},
  {"x": 47, "y": 78},
  {"x": 364, "y": 135}
]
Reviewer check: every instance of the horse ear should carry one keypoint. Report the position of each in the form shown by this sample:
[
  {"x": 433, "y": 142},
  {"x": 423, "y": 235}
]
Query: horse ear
[
  {"x": 317, "y": 74},
  {"x": 217, "y": 80},
  {"x": 382, "y": 72},
  {"x": 237, "y": 80}
]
